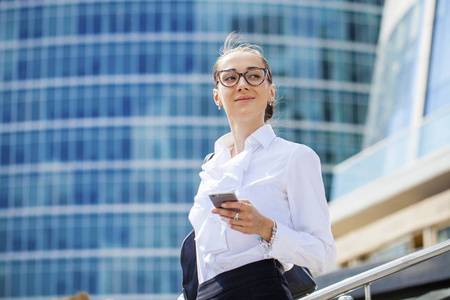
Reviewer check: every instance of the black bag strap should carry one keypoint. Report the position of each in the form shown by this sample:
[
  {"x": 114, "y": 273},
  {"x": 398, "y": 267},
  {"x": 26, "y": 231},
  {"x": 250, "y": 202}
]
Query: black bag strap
[
  {"x": 188, "y": 259},
  {"x": 208, "y": 157}
]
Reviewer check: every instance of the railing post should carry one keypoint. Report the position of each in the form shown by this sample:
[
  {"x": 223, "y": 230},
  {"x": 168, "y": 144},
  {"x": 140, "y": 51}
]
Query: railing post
[{"x": 367, "y": 291}]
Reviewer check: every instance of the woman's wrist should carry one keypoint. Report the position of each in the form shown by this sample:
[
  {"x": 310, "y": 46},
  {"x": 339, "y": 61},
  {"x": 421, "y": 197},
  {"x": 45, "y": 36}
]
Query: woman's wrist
[
  {"x": 266, "y": 234},
  {"x": 266, "y": 244}
]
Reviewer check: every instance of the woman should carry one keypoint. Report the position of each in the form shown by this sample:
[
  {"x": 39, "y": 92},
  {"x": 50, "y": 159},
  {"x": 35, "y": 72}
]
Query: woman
[{"x": 282, "y": 216}]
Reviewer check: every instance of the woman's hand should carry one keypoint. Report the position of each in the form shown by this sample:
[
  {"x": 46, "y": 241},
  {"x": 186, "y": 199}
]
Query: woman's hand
[{"x": 250, "y": 220}]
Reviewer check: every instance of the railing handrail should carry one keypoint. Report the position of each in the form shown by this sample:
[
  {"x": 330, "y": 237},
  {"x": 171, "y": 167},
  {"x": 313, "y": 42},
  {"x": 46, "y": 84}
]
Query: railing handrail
[{"x": 367, "y": 277}]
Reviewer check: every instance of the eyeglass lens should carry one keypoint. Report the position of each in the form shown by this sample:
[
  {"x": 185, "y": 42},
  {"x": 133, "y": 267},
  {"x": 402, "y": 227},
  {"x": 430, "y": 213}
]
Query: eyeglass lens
[{"x": 253, "y": 77}]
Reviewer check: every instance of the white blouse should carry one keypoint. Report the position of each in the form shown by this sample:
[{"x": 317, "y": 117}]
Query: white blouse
[{"x": 283, "y": 181}]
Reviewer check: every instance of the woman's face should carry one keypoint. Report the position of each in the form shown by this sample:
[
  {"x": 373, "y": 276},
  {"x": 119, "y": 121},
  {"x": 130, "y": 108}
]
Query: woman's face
[{"x": 243, "y": 100}]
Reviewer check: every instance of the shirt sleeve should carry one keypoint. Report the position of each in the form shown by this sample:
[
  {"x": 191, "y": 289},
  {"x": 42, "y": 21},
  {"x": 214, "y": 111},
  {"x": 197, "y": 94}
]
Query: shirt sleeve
[
  {"x": 181, "y": 297},
  {"x": 310, "y": 244}
]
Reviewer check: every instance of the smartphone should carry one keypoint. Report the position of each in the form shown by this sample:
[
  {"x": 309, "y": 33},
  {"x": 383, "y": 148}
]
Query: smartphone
[{"x": 219, "y": 198}]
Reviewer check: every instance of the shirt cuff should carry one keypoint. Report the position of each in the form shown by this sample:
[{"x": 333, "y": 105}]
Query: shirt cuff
[
  {"x": 295, "y": 248},
  {"x": 284, "y": 244}
]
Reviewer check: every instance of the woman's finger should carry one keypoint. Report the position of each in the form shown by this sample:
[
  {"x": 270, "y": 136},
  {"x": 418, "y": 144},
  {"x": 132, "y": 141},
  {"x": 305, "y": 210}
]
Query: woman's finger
[
  {"x": 224, "y": 212},
  {"x": 233, "y": 222},
  {"x": 240, "y": 205}
]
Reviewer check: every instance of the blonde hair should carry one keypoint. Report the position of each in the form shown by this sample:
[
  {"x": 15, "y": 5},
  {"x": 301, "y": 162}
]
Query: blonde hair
[{"x": 235, "y": 43}]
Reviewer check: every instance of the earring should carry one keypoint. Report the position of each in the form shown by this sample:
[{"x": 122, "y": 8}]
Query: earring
[
  {"x": 271, "y": 103},
  {"x": 219, "y": 107}
]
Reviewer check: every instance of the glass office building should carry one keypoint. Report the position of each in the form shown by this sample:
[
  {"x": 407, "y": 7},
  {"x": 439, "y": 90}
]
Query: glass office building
[
  {"x": 106, "y": 113},
  {"x": 393, "y": 198},
  {"x": 399, "y": 70},
  {"x": 409, "y": 104}
]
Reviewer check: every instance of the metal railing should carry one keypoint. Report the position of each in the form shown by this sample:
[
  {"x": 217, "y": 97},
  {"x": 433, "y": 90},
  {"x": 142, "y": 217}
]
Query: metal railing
[{"x": 367, "y": 277}]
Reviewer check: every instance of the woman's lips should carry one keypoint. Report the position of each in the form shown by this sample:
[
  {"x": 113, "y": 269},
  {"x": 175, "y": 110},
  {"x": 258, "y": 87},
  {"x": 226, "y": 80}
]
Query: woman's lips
[{"x": 244, "y": 99}]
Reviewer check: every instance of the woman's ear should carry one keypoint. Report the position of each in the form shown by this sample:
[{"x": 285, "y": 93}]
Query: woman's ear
[
  {"x": 217, "y": 98},
  {"x": 272, "y": 92}
]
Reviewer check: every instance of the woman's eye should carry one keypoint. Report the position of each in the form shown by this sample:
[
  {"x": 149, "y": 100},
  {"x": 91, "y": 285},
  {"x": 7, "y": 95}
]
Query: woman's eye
[{"x": 230, "y": 78}]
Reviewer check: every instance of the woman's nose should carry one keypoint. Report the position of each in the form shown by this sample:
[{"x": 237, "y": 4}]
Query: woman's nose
[{"x": 242, "y": 83}]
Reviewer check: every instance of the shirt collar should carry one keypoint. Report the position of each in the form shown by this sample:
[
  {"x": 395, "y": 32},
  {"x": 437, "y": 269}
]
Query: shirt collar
[{"x": 263, "y": 135}]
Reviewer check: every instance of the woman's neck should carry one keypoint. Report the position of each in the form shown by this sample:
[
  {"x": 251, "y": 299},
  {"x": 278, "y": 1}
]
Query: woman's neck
[{"x": 240, "y": 133}]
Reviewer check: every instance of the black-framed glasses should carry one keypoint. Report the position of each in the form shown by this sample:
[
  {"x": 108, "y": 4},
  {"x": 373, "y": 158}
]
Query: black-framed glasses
[{"x": 230, "y": 78}]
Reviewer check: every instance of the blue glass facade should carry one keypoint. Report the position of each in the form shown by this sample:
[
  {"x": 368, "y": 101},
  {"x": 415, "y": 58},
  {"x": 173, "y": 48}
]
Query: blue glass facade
[
  {"x": 106, "y": 113},
  {"x": 397, "y": 73},
  {"x": 403, "y": 140},
  {"x": 439, "y": 76},
  {"x": 393, "y": 97}
]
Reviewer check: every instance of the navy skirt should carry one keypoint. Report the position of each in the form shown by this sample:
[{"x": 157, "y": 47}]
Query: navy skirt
[{"x": 257, "y": 281}]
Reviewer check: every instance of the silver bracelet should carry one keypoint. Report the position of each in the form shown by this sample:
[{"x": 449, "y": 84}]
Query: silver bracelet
[{"x": 268, "y": 245}]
